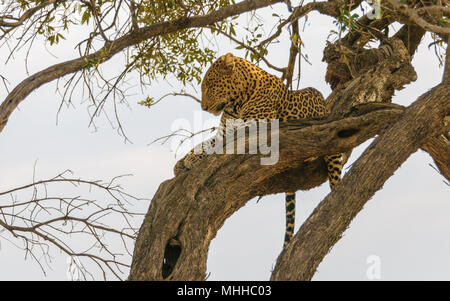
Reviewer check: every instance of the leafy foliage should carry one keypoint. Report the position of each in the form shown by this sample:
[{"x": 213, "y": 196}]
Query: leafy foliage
[{"x": 182, "y": 53}]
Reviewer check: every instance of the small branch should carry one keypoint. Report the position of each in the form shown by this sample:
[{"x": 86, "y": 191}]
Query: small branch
[
  {"x": 110, "y": 49},
  {"x": 446, "y": 75},
  {"x": 133, "y": 8},
  {"x": 327, "y": 8},
  {"x": 5, "y": 82},
  {"x": 95, "y": 13},
  {"x": 414, "y": 16},
  {"x": 26, "y": 15},
  {"x": 439, "y": 150},
  {"x": 282, "y": 70},
  {"x": 46, "y": 222},
  {"x": 177, "y": 94},
  {"x": 445, "y": 10},
  {"x": 375, "y": 166},
  {"x": 293, "y": 52}
]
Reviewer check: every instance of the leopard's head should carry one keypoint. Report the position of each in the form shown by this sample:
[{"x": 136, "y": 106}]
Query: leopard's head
[{"x": 217, "y": 85}]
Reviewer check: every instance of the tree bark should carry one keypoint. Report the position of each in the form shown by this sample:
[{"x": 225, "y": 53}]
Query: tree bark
[
  {"x": 439, "y": 150},
  {"x": 110, "y": 49},
  {"x": 187, "y": 211},
  {"x": 330, "y": 219},
  {"x": 423, "y": 124}
]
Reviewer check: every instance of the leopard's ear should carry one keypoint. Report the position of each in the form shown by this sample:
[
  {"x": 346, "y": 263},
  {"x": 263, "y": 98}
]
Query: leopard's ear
[{"x": 228, "y": 62}]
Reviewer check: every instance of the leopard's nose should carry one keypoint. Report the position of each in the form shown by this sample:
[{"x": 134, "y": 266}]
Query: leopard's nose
[{"x": 204, "y": 107}]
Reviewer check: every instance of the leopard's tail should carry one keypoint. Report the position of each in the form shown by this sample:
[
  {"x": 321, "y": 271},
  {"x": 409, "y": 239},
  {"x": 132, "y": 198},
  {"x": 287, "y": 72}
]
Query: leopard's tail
[
  {"x": 290, "y": 217},
  {"x": 335, "y": 163}
]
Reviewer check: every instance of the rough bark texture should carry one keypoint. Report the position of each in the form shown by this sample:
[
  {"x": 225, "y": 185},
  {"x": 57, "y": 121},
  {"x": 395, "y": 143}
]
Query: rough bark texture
[
  {"x": 187, "y": 211},
  {"x": 439, "y": 149},
  {"x": 333, "y": 215},
  {"x": 134, "y": 37}
]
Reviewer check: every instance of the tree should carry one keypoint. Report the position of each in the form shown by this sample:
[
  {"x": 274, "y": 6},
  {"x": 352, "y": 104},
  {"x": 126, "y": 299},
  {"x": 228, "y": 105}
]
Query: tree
[{"x": 160, "y": 38}]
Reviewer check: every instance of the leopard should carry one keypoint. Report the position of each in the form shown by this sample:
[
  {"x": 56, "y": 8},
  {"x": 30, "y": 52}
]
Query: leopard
[{"x": 240, "y": 89}]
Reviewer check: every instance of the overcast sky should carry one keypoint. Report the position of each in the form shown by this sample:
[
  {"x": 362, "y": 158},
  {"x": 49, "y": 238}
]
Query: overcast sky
[{"x": 405, "y": 226}]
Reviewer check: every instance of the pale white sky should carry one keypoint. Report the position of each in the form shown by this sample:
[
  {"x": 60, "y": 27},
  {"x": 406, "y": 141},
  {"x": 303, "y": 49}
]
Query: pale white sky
[{"x": 406, "y": 224}]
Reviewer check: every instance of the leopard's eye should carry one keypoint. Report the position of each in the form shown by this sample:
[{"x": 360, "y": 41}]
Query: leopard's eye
[{"x": 220, "y": 106}]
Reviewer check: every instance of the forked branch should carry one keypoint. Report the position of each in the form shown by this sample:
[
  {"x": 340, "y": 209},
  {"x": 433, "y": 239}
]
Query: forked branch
[{"x": 47, "y": 221}]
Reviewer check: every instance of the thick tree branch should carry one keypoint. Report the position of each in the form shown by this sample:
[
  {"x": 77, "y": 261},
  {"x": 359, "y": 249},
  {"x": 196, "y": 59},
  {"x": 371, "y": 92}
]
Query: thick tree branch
[
  {"x": 411, "y": 36},
  {"x": 111, "y": 48},
  {"x": 439, "y": 150},
  {"x": 417, "y": 127},
  {"x": 332, "y": 217},
  {"x": 439, "y": 147},
  {"x": 221, "y": 184},
  {"x": 367, "y": 76},
  {"x": 27, "y": 14},
  {"x": 172, "y": 244}
]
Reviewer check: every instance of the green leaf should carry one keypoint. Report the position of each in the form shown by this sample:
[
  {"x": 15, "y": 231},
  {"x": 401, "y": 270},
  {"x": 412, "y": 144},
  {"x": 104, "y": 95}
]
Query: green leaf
[
  {"x": 85, "y": 17},
  {"x": 232, "y": 32},
  {"x": 51, "y": 39}
]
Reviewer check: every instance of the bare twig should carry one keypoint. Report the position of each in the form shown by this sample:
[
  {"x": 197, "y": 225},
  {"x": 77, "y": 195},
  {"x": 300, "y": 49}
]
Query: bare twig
[
  {"x": 252, "y": 49},
  {"x": 45, "y": 222},
  {"x": 414, "y": 16},
  {"x": 26, "y": 15}
]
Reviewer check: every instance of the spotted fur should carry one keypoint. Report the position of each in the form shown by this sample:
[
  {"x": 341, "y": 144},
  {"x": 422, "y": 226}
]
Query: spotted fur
[{"x": 242, "y": 90}]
